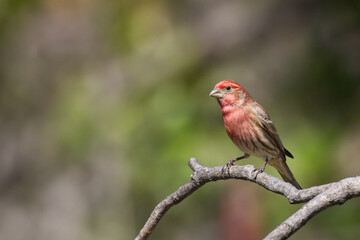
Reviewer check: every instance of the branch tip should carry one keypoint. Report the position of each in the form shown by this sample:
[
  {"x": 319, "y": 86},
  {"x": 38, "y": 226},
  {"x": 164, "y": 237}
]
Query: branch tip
[{"x": 194, "y": 164}]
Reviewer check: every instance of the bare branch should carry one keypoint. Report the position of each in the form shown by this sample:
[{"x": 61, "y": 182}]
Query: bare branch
[
  {"x": 319, "y": 197},
  {"x": 339, "y": 193}
]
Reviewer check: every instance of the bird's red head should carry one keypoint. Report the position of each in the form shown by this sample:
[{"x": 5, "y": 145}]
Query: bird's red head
[
  {"x": 227, "y": 83},
  {"x": 228, "y": 92}
]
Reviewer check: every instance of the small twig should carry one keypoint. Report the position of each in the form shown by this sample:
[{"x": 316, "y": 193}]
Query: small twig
[{"x": 349, "y": 188}]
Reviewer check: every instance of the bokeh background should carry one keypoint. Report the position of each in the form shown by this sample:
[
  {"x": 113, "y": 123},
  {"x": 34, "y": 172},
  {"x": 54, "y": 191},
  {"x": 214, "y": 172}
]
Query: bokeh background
[{"x": 103, "y": 102}]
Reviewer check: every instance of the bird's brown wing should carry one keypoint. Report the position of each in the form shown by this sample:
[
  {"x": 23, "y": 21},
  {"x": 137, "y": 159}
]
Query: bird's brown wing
[
  {"x": 280, "y": 164},
  {"x": 267, "y": 124}
]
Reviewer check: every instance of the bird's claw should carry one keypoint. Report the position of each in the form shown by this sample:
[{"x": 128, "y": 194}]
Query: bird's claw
[
  {"x": 258, "y": 170},
  {"x": 226, "y": 167}
]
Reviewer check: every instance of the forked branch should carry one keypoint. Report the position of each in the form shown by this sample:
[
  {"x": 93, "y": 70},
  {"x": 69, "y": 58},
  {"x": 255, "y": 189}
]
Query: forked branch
[{"x": 318, "y": 198}]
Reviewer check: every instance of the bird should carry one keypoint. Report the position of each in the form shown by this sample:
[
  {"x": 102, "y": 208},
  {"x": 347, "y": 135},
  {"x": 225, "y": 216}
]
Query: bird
[{"x": 251, "y": 129}]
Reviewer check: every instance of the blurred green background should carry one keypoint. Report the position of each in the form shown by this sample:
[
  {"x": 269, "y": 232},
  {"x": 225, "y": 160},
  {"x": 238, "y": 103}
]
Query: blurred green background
[{"x": 103, "y": 102}]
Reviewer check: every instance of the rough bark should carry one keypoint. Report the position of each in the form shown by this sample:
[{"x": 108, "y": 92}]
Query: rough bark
[{"x": 318, "y": 198}]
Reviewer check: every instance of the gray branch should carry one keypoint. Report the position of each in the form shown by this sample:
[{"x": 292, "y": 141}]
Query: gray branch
[{"x": 318, "y": 197}]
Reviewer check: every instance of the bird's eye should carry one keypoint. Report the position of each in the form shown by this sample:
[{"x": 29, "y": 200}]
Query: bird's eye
[{"x": 228, "y": 88}]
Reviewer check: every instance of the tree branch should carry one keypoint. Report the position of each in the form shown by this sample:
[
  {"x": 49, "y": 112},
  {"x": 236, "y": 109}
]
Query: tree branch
[
  {"x": 339, "y": 193},
  {"x": 318, "y": 197}
]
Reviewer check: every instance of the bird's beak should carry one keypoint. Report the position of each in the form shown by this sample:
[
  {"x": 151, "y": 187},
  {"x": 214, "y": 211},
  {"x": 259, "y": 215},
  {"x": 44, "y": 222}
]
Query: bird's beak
[{"x": 216, "y": 93}]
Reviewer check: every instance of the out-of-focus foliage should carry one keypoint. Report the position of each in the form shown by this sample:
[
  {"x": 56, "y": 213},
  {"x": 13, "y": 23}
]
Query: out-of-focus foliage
[{"x": 103, "y": 102}]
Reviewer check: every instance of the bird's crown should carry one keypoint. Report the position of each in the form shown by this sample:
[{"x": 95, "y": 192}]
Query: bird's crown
[{"x": 226, "y": 83}]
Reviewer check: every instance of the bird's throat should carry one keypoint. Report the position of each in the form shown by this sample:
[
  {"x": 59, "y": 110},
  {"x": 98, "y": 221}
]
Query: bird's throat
[{"x": 228, "y": 110}]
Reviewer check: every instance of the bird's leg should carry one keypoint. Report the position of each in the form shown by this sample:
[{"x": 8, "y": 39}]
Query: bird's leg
[
  {"x": 231, "y": 162},
  {"x": 262, "y": 169}
]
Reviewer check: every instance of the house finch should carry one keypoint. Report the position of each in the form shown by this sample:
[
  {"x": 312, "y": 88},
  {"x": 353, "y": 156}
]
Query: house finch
[{"x": 251, "y": 129}]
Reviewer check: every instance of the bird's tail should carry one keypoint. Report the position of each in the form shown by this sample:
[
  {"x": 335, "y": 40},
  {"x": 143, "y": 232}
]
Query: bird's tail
[{"x": 286, "y": 174}]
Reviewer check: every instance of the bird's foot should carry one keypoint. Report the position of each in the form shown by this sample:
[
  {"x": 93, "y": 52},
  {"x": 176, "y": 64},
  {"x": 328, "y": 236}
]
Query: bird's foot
[
  {"x": 262, "y": 169},
  {"x": 227, "y": 166},
  {"x": 258, "y": 170}
]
